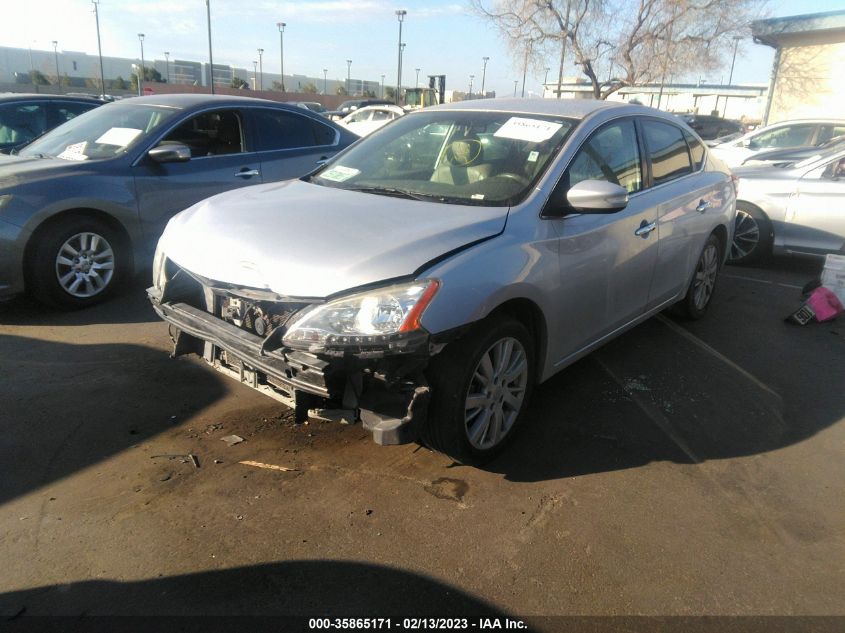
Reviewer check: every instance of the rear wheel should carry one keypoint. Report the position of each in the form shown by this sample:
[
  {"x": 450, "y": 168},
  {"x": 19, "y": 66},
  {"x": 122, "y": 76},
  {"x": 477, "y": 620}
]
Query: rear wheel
[
  {"x": 700, "y": 292},
  {"x": 752, "y": 235},
  {"x": 480, "y": 389},
  {"x": 77, "y": 262}
]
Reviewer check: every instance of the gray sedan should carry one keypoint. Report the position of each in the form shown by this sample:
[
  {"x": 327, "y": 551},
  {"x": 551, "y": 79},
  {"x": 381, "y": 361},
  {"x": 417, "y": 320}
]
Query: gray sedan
[
  {"x": 83, "y": 206},
  {"x": 794, "y": 209},
  {"x": 427, "y": 277}
]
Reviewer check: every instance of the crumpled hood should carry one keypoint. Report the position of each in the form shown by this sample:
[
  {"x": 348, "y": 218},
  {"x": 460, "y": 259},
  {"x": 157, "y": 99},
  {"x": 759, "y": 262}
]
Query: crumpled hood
[{"x": 303, "y": 240}]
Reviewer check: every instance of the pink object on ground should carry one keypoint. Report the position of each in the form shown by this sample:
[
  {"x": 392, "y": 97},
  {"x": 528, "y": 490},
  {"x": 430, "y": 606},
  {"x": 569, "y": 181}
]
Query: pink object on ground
[{"x": 825, "y": 304}]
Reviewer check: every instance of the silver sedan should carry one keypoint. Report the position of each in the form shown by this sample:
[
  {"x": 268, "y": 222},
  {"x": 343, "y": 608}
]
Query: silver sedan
[
  {"x": 429, "y": 276},
  {"x": 794, "y": 209}
]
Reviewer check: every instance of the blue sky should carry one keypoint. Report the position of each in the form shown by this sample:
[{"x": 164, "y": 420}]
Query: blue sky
[{"x": 442, "y": 36}]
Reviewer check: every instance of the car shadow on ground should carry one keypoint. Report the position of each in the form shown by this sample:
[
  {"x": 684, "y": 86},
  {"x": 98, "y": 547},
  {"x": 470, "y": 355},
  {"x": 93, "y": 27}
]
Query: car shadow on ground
[
  {"x": 130, "y": 305},
  {"x": 309, "y": 588},
  {"x": 658, "y": 393},
  {"x": 66, "y": 407}
]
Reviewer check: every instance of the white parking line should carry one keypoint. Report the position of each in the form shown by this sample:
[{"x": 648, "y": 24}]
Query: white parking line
[{"x": 762, "y": 281}]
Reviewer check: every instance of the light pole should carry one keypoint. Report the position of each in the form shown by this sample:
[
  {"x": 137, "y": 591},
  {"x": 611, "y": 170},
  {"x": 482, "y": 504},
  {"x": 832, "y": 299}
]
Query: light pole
[
  {"x": 143, "y": 68},
  {"x": 515, "y": 84},
  {"x": 167, "y": 65},
  {"x": 325, "y": 81},
  {"x": 736, "y": 39},
  {"x": 348, "y": 71},
  {"x": 282, "y": 26},
  {"x": 417, "y": 81},
  {"x": 471, "y": 77},
  {"x": 401, "y": 57},
  {"x": 546, "y": 80},
  {"x": 255, "y": 75},
  {"x": 382, "y": 86},
  {"x": 210, "y": 58},
  {"x": 484, "y": 60},
  {"x": 261, "y": 69},
  {"x": 400, "y": 15},
  {"x": 56, "y": 54},
  {"x": 99, "y": 47}
]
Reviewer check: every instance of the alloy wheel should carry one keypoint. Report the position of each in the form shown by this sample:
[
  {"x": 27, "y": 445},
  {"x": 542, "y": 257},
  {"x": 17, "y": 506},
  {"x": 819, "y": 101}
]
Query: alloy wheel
[
  {"x": 705, "y": 276},
  {"x": 496, "y": 393},
  {"x": 85, "y": 265},
  {"x": 746, "y": 235}
]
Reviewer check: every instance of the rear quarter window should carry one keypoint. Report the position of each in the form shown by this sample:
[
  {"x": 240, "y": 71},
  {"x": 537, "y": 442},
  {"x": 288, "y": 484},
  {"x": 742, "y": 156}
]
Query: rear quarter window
[{"x": 696, "y": 148}]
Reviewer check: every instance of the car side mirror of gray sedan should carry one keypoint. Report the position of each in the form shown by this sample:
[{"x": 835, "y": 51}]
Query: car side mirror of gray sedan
[
  {"x": 597, "y": 196},
  {"x": 175, "y": 153}
]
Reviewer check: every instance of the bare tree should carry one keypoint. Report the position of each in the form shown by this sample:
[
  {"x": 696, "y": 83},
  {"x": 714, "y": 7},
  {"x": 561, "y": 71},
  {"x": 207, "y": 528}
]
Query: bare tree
[{"x": 642, "y": 40}]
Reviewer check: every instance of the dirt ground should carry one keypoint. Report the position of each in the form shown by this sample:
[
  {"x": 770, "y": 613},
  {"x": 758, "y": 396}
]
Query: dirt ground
[{"x": 683, "y": 469}]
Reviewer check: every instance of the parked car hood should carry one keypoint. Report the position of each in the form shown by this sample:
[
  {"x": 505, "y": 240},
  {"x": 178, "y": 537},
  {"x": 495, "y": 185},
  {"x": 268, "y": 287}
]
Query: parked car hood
[
  {"x": 299, "y": 239},
  {"x": 18, "y": 169}
]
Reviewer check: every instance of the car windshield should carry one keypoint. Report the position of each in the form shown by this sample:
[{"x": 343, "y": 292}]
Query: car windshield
[
  {"x": 480, "y": 158},
  {"x": 104, "y": 132}
]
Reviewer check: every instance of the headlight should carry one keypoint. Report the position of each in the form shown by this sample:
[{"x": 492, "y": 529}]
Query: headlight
[
  {"x": 159, "y": 269},
  {"x": 384, "y": 317}
]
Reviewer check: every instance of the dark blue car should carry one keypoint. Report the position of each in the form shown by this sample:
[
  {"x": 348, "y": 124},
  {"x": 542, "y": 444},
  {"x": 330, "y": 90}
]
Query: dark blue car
[{"x": 83, "y": 206}]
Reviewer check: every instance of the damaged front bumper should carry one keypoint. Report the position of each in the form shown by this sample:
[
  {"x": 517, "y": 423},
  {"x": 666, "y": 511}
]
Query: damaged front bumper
[{"x": 387, "y": 392}]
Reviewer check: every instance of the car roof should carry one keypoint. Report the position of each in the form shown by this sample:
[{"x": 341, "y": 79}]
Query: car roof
[
  {"x": 187, "y": 100},
  {"x": 571, "y": 108},
  {"x": 19, "y": 96}
]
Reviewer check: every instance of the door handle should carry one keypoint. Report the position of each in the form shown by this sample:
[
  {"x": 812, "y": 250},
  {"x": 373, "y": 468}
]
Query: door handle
[
  {"x": 703, "y": 205},
  {"x": 645, "y": 229},
  {"x": 247, "y": 173}
]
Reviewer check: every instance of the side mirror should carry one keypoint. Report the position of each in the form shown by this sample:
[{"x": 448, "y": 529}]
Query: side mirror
[
  {"x": 175, "y": 153},
  {"x": 597, "y": 196}
]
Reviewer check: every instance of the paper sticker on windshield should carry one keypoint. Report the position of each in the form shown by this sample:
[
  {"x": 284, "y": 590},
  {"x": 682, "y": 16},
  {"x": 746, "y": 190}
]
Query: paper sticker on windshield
[
  {"x": 75, "y": 151},
  {"x": 340, "y": 173},
  {"x": 533, "y": 156},
  {"x": 532, "y": 130},
  {"x": 120, "y": 136}
]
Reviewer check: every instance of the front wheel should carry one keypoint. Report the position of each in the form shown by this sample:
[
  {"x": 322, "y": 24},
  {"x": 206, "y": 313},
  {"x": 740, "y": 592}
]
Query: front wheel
[
  {"x": 77, "y": 262},
  {"x": 480, "y": 390}
]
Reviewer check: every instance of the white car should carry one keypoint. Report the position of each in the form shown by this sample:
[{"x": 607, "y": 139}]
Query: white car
[
  {"x": 799, "y": 133},
  {"x": 368, "y": 119}
]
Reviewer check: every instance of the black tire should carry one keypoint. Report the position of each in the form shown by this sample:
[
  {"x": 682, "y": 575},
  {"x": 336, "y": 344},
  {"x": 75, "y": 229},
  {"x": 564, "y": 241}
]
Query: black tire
[
  {"x": 452, "y": 373},
  {"x": 702, "y": 286},
  {"x": 97, "y": 281},
  {"x": 753, "y": 235}
]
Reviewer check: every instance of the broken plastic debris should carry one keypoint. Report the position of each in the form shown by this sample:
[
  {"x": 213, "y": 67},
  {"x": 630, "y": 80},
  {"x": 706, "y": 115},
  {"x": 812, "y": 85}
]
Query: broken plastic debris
[
  {"x": 285, "y": 469},
  {"x": 231, "y": 440}
]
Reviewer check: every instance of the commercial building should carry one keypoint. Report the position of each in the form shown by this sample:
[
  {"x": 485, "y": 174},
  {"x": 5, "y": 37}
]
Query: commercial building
[{"x": 808, "y": 72}]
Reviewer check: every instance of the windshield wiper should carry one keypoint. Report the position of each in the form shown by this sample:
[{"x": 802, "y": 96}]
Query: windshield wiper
[{"x": 391, "y": 191}]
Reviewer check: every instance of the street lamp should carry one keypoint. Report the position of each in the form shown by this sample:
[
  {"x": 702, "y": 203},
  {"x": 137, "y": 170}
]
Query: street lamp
[
  {"x": 143, "y": 68},
  {"x": 210, "y": 58},
  {"x": 325, "y": 81},
  {"x": 99, "y": 47},
  {"x": 282, "y": 26},
  {"x": 736, "y": 39},
  {"x": 484, "y": 74},
  {"x": 400, "y": 15},
  {"x": 471, "y": 77},
  {"x": 348, "y": 71},
  {"x": 56, "y": 54},
  {"x": 515, "y": 84},
  {"x": 382, "y": 86},
  {"x": 255, "y": 75},
  {"x": 546, "y": 78},
  {"x": 167, "y": 65},
  {"x": 417, "y": 81},
  {"x": 260, "y": 69}
]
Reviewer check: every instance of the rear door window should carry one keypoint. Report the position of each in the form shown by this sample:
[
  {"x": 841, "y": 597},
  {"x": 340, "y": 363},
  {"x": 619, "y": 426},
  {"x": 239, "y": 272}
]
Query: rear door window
[
  {"x": 611, "y": 154},
  {"x": 696, "y": 151},
  {"x": 667, "y": 150},
  {"x": 277, "y": 129}
]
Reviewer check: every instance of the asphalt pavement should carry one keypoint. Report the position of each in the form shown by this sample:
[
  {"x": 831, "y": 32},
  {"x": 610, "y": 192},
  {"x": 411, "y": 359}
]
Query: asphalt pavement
[{"x": 684, "y": 469}]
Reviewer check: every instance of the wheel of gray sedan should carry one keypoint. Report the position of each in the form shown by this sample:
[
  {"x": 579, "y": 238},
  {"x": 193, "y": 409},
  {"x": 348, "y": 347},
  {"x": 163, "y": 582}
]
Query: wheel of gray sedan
[
  {"x": 78, "y": 262},
  {"x": 752, "y": 235},
  {"x": 481, "y": 384},
  {"x": 700, "y": 292}
]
